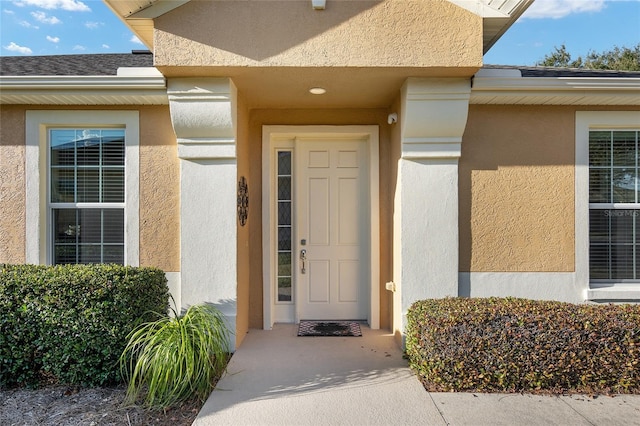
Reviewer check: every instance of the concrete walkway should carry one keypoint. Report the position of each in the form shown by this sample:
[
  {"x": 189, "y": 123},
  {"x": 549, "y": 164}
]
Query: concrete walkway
[{"x": 277, "y": 378}]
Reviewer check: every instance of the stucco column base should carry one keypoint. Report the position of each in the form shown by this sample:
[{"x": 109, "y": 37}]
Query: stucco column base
[
  {"x": 203, "y": 114},
  {"x": 433, "y": 118}
]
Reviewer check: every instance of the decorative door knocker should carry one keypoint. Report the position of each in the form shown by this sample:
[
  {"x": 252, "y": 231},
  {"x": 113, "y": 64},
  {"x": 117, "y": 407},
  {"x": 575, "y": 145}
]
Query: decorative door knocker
[{"x": 243, "y": 201}]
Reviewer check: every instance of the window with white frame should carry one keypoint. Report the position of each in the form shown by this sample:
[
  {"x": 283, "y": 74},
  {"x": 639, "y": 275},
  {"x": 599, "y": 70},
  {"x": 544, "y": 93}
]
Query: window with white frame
[
  {"x": 87, "y": 195},
  {"x": 614, "y": 205},
  {"x": 285, "y": 229},
  {"x": 82, "y": 186}
]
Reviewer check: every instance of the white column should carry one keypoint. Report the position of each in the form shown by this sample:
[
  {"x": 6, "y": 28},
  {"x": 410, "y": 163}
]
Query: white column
[
  {"x": 433, "y": 118},
  {"x": 203, "y": 113}
]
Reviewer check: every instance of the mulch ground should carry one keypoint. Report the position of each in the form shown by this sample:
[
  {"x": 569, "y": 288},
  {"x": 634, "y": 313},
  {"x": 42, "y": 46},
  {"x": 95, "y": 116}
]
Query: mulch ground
[{"x": 69, "y": 406}]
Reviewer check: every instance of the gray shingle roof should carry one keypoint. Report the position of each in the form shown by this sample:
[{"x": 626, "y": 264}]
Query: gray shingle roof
[
  {"x": 92, "y": 64},
  {"x": 566, "y": 72},
  {"x": 108, "y": 64}
]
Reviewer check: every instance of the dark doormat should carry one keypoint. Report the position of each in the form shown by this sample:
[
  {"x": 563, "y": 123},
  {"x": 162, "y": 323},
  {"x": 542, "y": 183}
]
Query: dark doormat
[{"x": 329, "y": 328}]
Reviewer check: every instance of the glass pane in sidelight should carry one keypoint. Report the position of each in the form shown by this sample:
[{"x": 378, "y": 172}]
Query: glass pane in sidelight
[
  {"x": 284, "y": 289},
  {"x": 284, "y": 188},
  {"x": 284, "y": 213},
  {"x": 284, "y": 264},
  {"x": 284, "y": 239},
  {"x": 284, "y": 163}
]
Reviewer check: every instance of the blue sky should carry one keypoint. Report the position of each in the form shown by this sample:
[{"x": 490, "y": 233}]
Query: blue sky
[{"x": 56, "y": 27}]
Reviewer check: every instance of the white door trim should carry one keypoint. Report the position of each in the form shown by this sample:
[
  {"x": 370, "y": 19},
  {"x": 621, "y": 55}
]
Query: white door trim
[{"x": 278, "y": 137}]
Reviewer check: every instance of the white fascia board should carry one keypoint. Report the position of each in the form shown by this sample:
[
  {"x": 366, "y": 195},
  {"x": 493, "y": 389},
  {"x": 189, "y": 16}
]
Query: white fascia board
[
  {"x": 554, "y": 83},
  {"x": 495, "y": 8},
  {"x": 480, "y": 8},
  {"x": 139, "y": 72},
  {"x": 62, "y": 90},
  {"x": 82, "y": 82},
  {"x": 508, "y": 87},
  {"x": 157, "y": 8}
]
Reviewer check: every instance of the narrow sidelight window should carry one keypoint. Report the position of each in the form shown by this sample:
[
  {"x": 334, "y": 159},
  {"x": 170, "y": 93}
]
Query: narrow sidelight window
[{"x": 285, "y": 278}]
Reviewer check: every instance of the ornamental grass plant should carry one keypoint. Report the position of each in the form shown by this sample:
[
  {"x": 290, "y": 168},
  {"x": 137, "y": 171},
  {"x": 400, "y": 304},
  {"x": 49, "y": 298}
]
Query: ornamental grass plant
[{"x": 176, "y": 358}]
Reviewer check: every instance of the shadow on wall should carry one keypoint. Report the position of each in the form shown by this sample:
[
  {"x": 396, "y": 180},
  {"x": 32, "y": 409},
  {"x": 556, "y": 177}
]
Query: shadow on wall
[{"x": 260, "y": 41}]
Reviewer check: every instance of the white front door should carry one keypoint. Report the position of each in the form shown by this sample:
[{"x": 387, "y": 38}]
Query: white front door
[
  {"x": 332, "y": 229},
  {"x": 320, "y": 195}
]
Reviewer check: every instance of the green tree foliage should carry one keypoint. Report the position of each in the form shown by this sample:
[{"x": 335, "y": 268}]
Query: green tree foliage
[{"x": 618, "y": 58}]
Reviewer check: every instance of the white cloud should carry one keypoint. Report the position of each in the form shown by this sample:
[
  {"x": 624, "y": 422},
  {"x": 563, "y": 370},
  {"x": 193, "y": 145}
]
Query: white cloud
[
  {"x": 70, "y": 5},
  {"x": 42, "y": 17},
  {"x": 18, "y": 49},
  {"x": 29, "y": 25},
  {"x": 9, "y": 12},
  {"x": 106, "y": 46},
  {"x": 79, "y": 47},
  {"x": 53, "y": 39},
  {"x": 135, "y": 39},
  {"x": 557, "y": 9},
  {"x": 93, "y": 25}
]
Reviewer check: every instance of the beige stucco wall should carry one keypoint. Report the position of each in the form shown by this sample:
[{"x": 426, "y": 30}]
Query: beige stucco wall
[
  {"x": 517, "y": 189},
  {"x": 289, "y": 33},
  {"x": 159, "y": 186},
  {"x": 159, "y": 191},
  {"x": 243, "y": 249},
  {"x": 12, "y": 184},
  {"x": 258, "y": 118}
]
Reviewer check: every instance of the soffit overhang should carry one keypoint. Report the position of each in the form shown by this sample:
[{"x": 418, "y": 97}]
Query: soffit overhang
[
  {"x": 125, "y": 89},
  {"x": 497, "y": 15},
  {"x": 508, "y": 87},
  {"x": 138, "y": 15},
  {"x": 346, "y": 87}
]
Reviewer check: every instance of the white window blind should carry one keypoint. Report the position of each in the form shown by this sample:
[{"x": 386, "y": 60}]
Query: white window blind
[
  {"x": 614, "y": 206},
  {"x": 87, "y": 195}
]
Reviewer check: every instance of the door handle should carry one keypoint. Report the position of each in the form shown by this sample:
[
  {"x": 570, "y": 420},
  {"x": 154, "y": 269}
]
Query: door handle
[{"x": 303, "y": 259}]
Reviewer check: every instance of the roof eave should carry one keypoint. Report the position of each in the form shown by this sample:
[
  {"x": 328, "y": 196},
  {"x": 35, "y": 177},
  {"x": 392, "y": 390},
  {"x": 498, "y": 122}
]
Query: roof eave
[
  {"x": 508, "y": 88},
  {"x": 83, "y": 90},
  {"x": 497, "y": 16},
  {"x": 138, "y": 15}
]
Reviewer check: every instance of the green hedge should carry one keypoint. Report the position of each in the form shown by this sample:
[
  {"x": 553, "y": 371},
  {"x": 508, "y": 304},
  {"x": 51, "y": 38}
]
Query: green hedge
[
  {"x": 515, "y": 345},
  {"x": 70, "y": 323}
]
